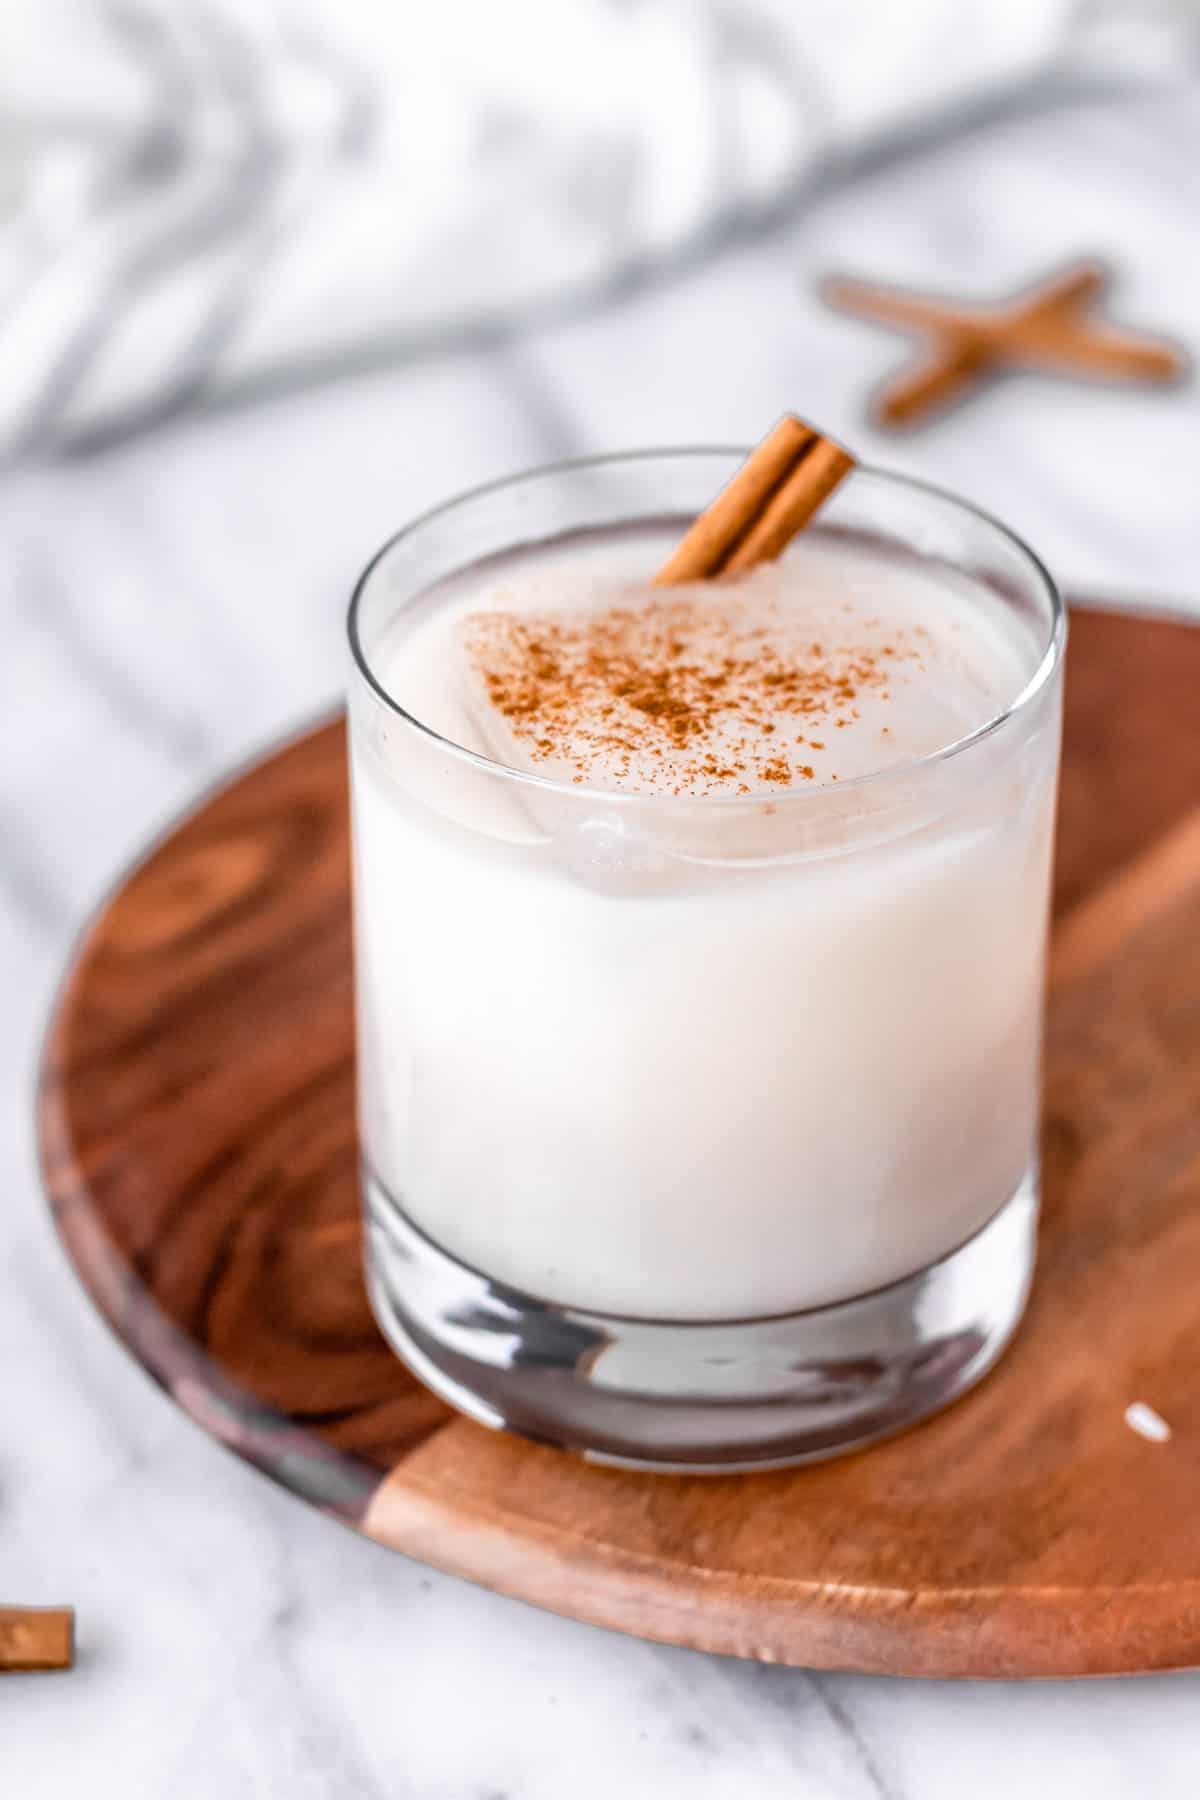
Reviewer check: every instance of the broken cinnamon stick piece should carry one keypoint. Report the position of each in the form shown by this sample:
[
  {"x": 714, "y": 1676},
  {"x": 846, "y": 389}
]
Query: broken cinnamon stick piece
[
  {"x": 37, "y": 1637},
  {"x": 776, "y": 491}
]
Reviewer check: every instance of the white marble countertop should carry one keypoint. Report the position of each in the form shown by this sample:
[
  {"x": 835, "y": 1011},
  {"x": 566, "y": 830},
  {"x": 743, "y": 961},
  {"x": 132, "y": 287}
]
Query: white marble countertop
[{"x": 173, "y": 603}]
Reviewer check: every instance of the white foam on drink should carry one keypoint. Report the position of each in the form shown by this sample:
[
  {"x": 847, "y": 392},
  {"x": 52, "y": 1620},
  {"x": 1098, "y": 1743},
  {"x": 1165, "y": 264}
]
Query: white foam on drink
[{"x": 835, "y": 662}]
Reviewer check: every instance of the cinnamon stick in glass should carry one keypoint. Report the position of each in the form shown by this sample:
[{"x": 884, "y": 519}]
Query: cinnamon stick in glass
[{"x": 772, "y": 497}]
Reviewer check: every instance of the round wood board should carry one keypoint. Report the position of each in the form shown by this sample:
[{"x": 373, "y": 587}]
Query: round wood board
[{"x": 198, "y": 1142}]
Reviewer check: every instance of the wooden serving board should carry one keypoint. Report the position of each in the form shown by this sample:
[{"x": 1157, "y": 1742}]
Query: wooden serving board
[{"x": 199, "y": 1150}]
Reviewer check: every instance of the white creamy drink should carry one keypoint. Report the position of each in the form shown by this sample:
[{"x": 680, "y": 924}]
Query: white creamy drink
[{"x": 719, "y": 1011}]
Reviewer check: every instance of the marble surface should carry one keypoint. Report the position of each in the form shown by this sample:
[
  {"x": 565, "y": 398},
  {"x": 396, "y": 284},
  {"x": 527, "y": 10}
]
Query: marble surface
[{"x": 170, "y": 605}]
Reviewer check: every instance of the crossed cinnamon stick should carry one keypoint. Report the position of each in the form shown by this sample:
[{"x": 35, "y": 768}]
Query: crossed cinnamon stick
[{"x": 1048, "y": 327}]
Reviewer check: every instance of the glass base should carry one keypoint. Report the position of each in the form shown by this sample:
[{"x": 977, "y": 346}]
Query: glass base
[{"x": 701, "y": 1397}]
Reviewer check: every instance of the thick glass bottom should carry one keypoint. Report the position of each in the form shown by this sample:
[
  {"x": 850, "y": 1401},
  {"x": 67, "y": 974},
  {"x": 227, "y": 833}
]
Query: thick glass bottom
[{"x": 742, "y": 1394}]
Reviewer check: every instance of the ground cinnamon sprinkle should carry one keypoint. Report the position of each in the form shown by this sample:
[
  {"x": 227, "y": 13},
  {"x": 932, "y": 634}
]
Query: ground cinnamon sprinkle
[{"x": 685, "y": 691}]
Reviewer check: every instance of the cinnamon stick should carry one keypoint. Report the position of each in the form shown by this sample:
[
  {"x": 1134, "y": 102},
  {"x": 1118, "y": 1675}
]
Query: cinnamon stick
[
  {"x": 1067, "y": 289},
  {"x": 963, "y": 352},
  {"x": 1049, "y": 326},
  {"x": 37, "y": 1637},
  {"x": 791, "y": 506},
  {"x": 773, "y": 495}
]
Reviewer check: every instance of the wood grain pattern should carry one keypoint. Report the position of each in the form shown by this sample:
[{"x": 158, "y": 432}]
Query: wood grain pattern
[{"x": 198, "y": 1143}]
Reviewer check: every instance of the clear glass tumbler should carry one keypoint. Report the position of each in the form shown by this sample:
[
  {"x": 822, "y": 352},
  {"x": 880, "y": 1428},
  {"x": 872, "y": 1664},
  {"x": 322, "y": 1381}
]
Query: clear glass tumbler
[{"x": 701, "y": 1133}]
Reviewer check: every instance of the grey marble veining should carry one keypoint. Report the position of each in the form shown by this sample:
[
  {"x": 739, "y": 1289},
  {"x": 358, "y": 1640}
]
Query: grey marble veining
[{"x": 173, "y": 603}]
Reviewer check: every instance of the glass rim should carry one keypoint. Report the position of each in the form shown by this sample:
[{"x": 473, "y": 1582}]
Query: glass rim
[{"x": 909, "y": 768}]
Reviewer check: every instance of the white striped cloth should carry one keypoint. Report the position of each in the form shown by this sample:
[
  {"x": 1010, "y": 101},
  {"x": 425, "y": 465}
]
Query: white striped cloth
[{"x": 197, "y": 196}]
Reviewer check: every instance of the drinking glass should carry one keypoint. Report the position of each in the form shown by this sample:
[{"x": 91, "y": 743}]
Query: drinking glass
[{"x": 701, "y": 1133}]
